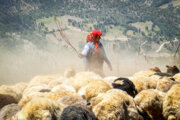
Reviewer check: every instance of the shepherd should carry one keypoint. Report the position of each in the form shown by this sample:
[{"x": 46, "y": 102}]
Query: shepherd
[{"x": 94, "y": 53}]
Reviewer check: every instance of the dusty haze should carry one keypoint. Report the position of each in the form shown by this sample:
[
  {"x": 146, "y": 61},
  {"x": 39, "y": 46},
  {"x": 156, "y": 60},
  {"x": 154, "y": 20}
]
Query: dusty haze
[{"x": 27, "y": 61}]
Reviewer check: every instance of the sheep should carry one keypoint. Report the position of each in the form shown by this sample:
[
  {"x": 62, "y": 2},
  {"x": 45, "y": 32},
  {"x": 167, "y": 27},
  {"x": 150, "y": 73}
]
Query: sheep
[
  {"x": 151, "y": 101},
  {"x": 60, "y": 91},
  {"x": 36, "y": 88},
  {"x": 54, "y": 83},
  {"x": 172, "y": 69},
  {"x": 20, "y": 87},
  {"x": 72, "y": 99},
  {"x": 95, "y": 87},
  {"x": 115, "y": 104},
  {"x": 144, "y": 73},
  {"x": 83, "y": 78},
  {"x": 177, "y": 77},
  {"x": 77, "y": 112},
  {"x": 171, "y": 104},
  {"x": 126, "y": 85},
  {"x": 40, "y": 109},
  {"x": 69, "y": 73},
  {"x": 42, "y": 79},
  {"x": 155, "y": 69},
  {"x": 26, "y": 98},
  {"x": 8, "y": 111},
  {"x": 110, "y": 79},
  {"x": 8, "y": 95},
  {"x": 143, "y": 83},
  {"x": 165, "y": 84}
]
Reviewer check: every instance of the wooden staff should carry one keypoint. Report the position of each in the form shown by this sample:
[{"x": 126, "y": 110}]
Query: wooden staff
[
  {"x": 64, "y": 36},
  {"x": 176, "y": 51}
]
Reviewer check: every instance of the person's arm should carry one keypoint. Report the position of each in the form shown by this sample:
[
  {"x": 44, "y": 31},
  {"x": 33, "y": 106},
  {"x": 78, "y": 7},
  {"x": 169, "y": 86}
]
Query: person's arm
[
  {"x": 107, "y": 60},
  {"x": 108, "y": 63}
]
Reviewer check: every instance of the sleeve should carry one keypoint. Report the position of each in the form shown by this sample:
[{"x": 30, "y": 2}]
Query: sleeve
[{"x": 85, "y": 50}]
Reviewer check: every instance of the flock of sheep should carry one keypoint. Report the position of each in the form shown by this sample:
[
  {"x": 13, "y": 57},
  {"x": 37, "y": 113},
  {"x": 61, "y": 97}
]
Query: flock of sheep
[{"x": 146, "y": 95}]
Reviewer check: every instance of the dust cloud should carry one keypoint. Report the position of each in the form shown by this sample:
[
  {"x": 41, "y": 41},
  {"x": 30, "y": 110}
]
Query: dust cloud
[{"x": 27, "y": 61}]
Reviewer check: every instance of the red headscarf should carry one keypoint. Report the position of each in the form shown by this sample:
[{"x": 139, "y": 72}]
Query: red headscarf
[{"x": 91, "y": 38}]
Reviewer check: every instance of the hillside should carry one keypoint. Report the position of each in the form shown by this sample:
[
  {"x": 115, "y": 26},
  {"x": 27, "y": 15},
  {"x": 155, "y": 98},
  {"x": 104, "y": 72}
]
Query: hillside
[
  {"x": 29, "y": 36},
  {"x": 116, "y": 16}
]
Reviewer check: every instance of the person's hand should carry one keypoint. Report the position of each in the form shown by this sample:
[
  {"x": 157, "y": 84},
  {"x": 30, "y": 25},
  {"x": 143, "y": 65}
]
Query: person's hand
[{"x": 80, "y": 55}]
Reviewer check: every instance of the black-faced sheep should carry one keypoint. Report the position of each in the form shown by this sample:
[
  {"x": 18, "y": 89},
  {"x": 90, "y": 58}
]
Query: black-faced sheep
[
  {"x": 171, "y": 104},
  {"x": 126, "y": 85},
  {"x": 77, "y": 112},
  {"x": 151, "y": 101}
]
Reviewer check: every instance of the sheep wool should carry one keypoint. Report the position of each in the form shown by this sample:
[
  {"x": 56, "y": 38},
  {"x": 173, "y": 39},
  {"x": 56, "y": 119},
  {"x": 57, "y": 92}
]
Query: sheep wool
[
  {"x": 171, "y": 104},
  {"x": 77, "y": 112},
  {"x": 165, "y": 84},
  {"x": 42, "y": 79},
  {"x": 96, "y": 87},
  {"x": 177, "y": 77},
  {"x": 26, "y": 98},
  {"x": 61, "y": 91},
  {"x": 83, "y": 78},
  {"x": 8, "y": 111},
  {"x": 40, "y": 109},
  {"x": 9, "y": 92},
  {"x": 144, "y": 73},
  {"x": 72, "y": 99},
  {"x": 69, "y": 73},
  {"x": 110, "y": 79},
  {"x": 144, "y": 83},
  {"x": 115, "y": 104},
  {"x": 151, "y": 101}
]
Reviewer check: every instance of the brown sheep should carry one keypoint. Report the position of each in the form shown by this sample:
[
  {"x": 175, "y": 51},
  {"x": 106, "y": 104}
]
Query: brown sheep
[
  {"x": 155, "y": 69},
  {"x": 172, "y": 69}
]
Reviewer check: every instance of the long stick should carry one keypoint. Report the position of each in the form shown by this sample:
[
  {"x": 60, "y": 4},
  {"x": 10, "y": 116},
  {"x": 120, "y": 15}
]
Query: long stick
[
  {"x": 176, "y": 51},
  {"x": 64, "y": 36}
]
